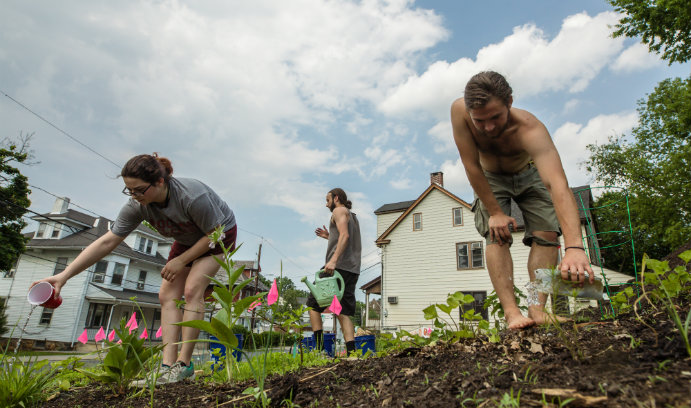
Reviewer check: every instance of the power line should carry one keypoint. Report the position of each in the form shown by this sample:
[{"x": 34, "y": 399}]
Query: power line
[
  {"x": 60, "y": 130},
  {"x": 71, "y": 203}
]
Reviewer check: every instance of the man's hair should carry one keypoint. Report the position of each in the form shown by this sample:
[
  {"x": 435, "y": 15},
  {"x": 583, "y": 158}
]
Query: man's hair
[
  {"x": 485, "y": 85},
  {"x": 342, "y": 197}
]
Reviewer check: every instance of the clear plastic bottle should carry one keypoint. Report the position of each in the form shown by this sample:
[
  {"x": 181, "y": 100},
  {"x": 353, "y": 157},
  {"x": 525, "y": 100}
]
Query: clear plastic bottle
[{"x": 550, "y": 281}]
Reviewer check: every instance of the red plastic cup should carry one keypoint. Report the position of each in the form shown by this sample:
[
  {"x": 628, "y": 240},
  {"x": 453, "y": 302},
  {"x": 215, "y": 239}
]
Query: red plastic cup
[{"x": 42, "y": 295}]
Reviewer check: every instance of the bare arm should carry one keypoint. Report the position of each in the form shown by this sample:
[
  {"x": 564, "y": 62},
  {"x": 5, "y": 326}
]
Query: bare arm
[
  {"x": 470, "y": 157},
  {"x": 539, "y": 145},
  {"x": 89, "y": 256},
  {"x": 340, "y": 217}
]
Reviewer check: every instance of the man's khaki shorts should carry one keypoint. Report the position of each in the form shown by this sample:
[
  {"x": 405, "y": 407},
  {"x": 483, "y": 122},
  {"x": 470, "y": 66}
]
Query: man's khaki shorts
[{"x": 531, "y": 195}]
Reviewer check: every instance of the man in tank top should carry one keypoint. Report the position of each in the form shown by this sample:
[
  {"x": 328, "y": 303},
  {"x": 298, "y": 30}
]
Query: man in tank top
[{"x": 343, "y": 255}]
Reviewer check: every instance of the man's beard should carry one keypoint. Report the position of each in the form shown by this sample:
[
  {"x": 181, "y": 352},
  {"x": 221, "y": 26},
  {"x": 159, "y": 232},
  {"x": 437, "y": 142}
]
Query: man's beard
[
  {"x": 332, "y": 206},
  {"x": 500, "y": 132}
]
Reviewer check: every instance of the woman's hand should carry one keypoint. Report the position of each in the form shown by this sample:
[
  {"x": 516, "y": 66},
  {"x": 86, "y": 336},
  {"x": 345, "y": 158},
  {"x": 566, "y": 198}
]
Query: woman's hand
[{"x": 172, "y": 269}]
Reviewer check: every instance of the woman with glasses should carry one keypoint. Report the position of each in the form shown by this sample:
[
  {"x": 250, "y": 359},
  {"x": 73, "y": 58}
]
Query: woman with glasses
[{"x": 182, "y": 208}]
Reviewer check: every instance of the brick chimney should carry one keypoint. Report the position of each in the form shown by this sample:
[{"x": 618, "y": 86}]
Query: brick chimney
[
  {"x": 60, "y": 205},
  {"x": 437, "y": 178}
]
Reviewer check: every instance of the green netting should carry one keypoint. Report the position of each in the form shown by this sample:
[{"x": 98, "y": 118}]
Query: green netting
[{"x": 591, "y": 241}]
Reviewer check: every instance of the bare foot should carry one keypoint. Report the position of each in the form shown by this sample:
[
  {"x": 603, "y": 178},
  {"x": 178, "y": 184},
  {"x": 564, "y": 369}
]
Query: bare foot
[
  {"x": 539, "y": 315},
  {"x": 519, "y": 322}
]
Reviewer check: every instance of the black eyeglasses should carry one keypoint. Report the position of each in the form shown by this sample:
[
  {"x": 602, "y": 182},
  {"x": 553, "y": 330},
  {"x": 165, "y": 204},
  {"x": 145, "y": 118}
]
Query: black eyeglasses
[{"x": 126, "y": 191}]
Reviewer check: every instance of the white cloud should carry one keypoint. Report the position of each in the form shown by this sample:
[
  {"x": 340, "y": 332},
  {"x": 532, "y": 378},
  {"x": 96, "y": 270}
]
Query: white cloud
[
  {"x": 455, "y": 179},
  {"x": 401, "y": 184},
  {"x": 571, "y": 140},
  {"x": 531, "y": 62},
  {"x": 636, "y": 58},
  {"x": 442, "y": 137}
]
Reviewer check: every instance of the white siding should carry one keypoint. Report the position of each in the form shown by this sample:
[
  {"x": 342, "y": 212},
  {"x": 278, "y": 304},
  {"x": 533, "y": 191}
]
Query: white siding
[
  {"x": 419, "y": 267},
  {"x": 384, "y": 221}
]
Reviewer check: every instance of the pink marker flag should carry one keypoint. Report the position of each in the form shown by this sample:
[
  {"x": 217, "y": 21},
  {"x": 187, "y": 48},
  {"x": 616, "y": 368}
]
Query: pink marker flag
[
  {"x": 100, "y": 335},
  {"x": 145, "y": 334},
  {"x": 83, "y": 338},
  {"x": 119, "y": 341},
  {"x": 133, "y": 326},
  {"x": 159, "y": 332},
  {"x": 255, "y": 304},
  {"x": 273, "y": 294},
  {"x": 335, "y": 306},
  {"x": 132, "y": 321},
  {"x": 111, "y": 335}
]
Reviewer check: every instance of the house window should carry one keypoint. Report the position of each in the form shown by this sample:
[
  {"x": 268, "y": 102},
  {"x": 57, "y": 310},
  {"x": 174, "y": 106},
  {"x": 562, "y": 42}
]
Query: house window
[
  {"x": 60, "y": 265},
  {"x": 41, "y": 230},
  {"x": 56, "y": 231},
  {"x": 417, "y": 222},
  {"x": 46, "y": 316},
  {"x": 469, "y": 255},
  {"x": 100, "y": 271},
  {"x": 477, "y": 305},
  {"x": 142, "y": 280},
  {"x": 118, "y": 273},
  {"x": 98, "y": 315},
  {"x": 457, "y": 217},
  {"x": 142, "y": 244},
  {"x": 149, "y": 246}
]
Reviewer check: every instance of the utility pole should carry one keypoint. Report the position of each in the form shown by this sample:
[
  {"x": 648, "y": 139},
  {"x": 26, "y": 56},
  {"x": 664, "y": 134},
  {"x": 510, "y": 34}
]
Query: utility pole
[{"x": 256, "y": 281}]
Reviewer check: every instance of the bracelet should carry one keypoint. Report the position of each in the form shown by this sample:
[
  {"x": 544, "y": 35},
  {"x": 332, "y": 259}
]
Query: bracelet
[{"x": 581, "y": 248}]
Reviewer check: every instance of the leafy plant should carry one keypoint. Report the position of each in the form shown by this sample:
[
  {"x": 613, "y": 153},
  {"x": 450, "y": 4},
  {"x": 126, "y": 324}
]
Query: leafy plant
[
  {"x": 670, "y": 285},
  {"x": 470, "y": 324},
  {"x": 124, "y": 360},
  {"x": 222, "y": 324},
  {"x": 23, "y": 383}
]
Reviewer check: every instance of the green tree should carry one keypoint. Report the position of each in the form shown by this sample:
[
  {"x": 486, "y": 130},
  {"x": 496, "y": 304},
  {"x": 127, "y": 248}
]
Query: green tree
[
  {"x": 289, "y": 293},
  {"x": 14, "y": 198},
  {"x": 653, "y": 165},
  {"x": 663, "y": 25}
]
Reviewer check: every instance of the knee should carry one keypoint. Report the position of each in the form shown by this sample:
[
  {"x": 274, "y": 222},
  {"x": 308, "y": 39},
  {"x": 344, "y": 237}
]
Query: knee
[
  {"x": 545, "y": 238},
  {"x": 165, "y": 297},
  {"x": 194, "y": 293}
]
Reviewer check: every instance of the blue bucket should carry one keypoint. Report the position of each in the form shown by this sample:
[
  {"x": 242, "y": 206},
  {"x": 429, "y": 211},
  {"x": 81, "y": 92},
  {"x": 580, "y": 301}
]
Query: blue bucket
[
  {"x": 365, "y": 343},
  {"x": 222, "y": 352},
  {"x": 329, "y": 345}
]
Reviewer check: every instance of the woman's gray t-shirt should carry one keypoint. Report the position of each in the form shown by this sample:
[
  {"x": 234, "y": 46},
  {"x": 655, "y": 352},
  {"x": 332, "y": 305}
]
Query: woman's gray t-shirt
[{"x": 192, "y": 212}]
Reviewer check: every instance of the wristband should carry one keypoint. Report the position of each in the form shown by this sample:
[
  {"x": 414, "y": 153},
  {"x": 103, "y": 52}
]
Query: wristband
[{"x": 581, "y": 248}]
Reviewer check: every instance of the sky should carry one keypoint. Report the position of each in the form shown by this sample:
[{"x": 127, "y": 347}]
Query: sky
[{"x": 274, "y": 103}]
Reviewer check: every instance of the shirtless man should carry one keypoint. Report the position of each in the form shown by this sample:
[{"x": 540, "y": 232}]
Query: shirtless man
[{"x": 508, "y": 153}]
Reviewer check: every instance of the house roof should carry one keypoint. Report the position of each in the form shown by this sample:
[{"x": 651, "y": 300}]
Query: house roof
[
  {"x": 394, "y": 207},
  {"x": 72, "y": 215},
  {"x": 371, "y": 284},
  {"x": 125, "y": 295},
  {"x": 82, "y": 239},
  {"x": 582, "y": 194},
  {"x": 433, "y": 186}
]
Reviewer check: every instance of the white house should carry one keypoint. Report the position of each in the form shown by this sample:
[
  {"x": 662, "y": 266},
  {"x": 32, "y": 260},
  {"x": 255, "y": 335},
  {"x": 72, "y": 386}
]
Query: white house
[{"x": 430, "y": 248}]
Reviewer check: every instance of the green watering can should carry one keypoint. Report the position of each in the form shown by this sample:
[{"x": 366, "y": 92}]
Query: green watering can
[{"x": 324, "y": 289}]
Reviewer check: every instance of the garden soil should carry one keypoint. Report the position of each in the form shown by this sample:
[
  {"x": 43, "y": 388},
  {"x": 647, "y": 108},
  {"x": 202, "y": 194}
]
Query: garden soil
[{"x": 628, "y": 362}]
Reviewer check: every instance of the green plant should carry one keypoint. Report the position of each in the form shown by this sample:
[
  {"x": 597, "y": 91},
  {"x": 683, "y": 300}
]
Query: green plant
[
  {"x": 125, "y": 360},
  {"x": 671, "y": 284},
  {"x": 494, "y": 308},
  {"x": 470, "y": 324},
  {"x": 222, "y": 324},
  {"x": 23, "y": 383},
  {"x": 509, "y": 400}
]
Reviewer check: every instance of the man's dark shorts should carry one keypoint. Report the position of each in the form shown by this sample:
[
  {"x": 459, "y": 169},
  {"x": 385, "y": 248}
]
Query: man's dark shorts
[
  {"x": 348, "y": 300},
  {"x": 229, "y": 242},
  {"x": 529, "y": 192}
]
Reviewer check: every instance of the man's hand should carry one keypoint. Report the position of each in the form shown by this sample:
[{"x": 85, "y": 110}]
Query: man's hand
[
  {"x": 329, "y": 268},
  {"x": 172, "y": 269},
  {"x": 574, "y": 265},
  {"x": 322, "y": 232},
  {"x": 499, "y": 228}
]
